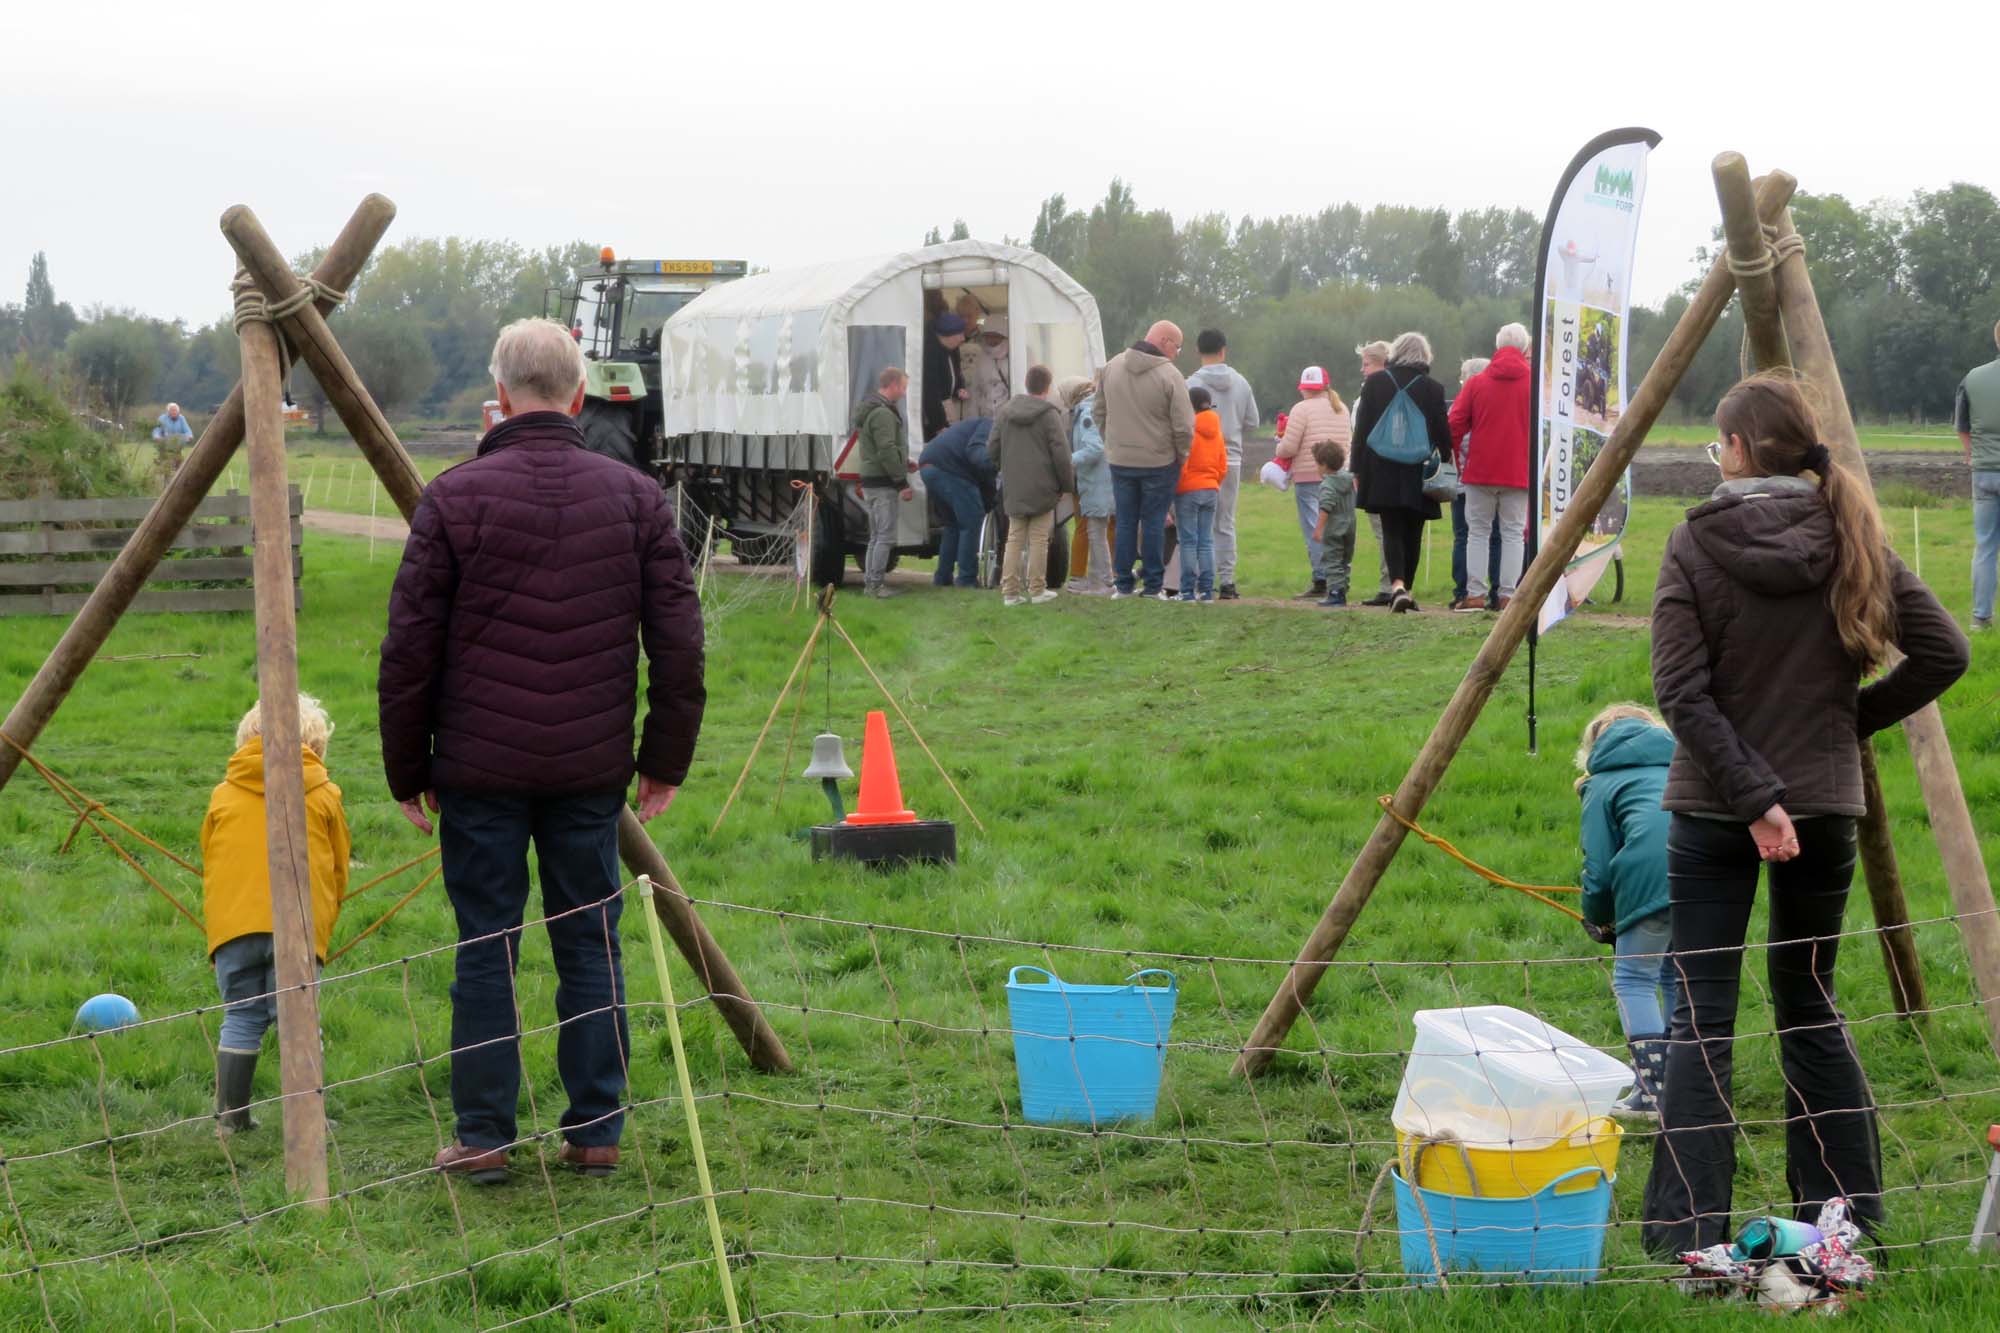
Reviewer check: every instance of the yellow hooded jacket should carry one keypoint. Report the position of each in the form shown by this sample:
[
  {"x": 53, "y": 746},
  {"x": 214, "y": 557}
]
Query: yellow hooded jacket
[{"x": 235, "y": 870}]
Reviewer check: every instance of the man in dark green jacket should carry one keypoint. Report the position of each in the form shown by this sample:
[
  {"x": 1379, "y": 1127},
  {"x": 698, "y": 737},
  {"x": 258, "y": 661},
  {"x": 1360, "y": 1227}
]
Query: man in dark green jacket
[{"x": 882, "y": 450}]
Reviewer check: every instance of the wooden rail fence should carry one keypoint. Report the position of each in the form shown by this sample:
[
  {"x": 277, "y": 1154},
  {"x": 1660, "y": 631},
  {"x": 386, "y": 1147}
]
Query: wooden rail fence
[{"x": 53, "y": 552}]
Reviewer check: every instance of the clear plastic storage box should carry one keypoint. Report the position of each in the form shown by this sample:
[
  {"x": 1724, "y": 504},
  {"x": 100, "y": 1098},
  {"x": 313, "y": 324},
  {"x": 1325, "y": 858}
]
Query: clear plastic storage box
[{"x": 1495, "y": 1077}]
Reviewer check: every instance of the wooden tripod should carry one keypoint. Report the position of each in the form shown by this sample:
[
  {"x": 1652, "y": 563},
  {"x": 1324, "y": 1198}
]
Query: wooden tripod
[{"x": 277, "y": 311}]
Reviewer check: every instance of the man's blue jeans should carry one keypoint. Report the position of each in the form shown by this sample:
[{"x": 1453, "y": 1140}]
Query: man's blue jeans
[
  {"x": 1141, "y": 496},
  {"x": 1985, "y": 542},
  {"x": 483, "y": 840},
  {"x": 958, "y": 541}
]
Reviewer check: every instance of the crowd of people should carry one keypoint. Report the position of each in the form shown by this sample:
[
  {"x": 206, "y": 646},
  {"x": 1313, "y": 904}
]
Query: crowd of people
[{"x": 1152, "y": 461}]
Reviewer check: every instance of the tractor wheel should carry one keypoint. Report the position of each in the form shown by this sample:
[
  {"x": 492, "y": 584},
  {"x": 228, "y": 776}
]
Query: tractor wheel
[{"x": 611, "y": 429}]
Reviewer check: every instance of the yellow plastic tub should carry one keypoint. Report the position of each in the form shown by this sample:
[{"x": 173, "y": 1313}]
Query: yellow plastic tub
[{"x": 1500, "y": 1173}]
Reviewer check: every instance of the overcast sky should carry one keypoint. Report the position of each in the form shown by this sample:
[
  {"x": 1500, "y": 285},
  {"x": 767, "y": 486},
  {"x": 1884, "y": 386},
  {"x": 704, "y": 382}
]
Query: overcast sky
[{"x": 788, "y": 133}]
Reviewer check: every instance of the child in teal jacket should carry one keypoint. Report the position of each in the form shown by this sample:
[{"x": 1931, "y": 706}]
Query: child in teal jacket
[{"x": 1624, "y": 758}]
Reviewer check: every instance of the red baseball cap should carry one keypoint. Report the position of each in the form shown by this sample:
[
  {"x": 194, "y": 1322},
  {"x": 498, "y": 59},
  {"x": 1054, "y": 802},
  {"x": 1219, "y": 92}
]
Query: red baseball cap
[{"x": 1312, "y": 379}]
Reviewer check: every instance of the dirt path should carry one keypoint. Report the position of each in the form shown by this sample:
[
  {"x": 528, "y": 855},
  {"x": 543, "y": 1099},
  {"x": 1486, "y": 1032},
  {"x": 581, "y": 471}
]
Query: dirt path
[{"x": 392, "y": 529}]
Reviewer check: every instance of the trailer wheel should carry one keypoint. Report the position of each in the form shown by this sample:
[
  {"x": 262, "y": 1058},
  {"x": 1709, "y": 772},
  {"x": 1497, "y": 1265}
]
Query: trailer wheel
[
  {"x": 829, "y": 547},
  {"x": 993, "y": 544}
]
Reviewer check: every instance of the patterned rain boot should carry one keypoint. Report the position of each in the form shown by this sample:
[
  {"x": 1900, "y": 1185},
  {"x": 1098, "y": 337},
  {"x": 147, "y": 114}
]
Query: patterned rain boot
[{"x": 1649, "y": 1070}]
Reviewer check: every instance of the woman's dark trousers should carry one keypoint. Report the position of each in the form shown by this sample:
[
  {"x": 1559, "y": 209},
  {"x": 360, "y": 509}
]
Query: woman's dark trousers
[{"x": 1831, "y": 1146}]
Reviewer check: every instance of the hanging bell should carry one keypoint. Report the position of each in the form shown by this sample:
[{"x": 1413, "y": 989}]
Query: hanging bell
[{"x": 828, "y": 762}]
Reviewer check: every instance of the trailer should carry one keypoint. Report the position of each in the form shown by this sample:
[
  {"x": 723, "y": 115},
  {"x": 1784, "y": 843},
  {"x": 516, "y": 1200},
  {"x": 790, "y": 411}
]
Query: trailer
[{"x": 759, "y": 378}]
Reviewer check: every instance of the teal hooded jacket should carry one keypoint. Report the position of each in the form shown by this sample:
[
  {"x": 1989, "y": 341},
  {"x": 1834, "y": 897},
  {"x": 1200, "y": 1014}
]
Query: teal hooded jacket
[{"x": 1624, "y": 828}]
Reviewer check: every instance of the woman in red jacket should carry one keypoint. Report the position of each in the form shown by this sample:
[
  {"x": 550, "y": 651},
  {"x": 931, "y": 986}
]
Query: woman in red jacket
[{"x": 1775, "y": 599}]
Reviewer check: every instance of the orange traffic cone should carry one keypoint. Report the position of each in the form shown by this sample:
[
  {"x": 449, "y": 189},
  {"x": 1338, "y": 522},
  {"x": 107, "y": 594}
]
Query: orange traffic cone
[{"x": 881, "y": 799}]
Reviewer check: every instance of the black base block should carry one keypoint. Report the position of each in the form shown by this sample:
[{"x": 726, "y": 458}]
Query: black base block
[{"x": 886, "y": 845}]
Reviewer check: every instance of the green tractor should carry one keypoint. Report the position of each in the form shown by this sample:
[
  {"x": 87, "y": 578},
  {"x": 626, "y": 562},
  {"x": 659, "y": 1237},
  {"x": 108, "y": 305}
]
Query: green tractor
[{"x": 616, "y": 311}]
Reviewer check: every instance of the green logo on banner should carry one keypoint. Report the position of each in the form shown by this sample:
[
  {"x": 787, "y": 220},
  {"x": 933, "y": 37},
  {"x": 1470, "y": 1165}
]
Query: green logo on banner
[{"x": 1614, "y": 182}]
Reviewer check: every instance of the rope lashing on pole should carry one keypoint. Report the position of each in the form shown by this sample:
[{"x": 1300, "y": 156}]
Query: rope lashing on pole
[
  {"x": 251, "y": 307},
  {"x": 1539, "y": 892},
  {"x": 87, "y": 810}
]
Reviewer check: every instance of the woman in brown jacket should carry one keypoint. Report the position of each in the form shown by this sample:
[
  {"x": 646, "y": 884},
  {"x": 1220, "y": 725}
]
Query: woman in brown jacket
[{"x": 1775, "y": 599}]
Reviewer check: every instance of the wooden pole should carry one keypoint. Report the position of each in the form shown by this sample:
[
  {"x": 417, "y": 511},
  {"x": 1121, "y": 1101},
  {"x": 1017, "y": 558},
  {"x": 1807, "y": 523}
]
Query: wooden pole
[
  {"x": 1749, "y": 261},
  {"x": 170, "y": 513},
  {"x": 307, "y": 330},
  {"x": 1937, "y": 775},
  {"x": 1812, "y": 352},
  {"x": 284, "y": 773},
  {"x": 711, "y": 965},
  {"x": 1455, "y": 723}
]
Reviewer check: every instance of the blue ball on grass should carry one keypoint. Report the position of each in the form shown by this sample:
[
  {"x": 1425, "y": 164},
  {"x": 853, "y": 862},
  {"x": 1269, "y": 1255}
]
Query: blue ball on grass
[{"x": 106, "y": 1013}]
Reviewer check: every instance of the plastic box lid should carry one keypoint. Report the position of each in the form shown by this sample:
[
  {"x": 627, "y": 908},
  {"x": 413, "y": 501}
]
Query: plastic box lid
[{"x": 1493, "y": 1076}]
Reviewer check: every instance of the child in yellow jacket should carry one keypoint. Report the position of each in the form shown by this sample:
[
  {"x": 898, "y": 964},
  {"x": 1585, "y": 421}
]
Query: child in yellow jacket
[{"x": 236, "y": 895}]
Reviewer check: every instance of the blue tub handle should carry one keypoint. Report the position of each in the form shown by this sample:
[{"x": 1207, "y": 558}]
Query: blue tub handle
[
  {"x": 1013, "y": 977},
  {"x": 1592, "y": 1170},
  {"x": 1173, "y": 982}
]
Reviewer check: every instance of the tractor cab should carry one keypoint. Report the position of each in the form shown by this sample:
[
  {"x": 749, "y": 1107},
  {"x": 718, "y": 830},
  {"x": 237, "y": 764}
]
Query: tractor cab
[{"x": 615, "y": 311}]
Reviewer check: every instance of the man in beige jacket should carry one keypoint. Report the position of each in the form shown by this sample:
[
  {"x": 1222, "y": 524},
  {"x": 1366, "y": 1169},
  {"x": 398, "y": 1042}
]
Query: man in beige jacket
[{"x": 1146, "y": 419}]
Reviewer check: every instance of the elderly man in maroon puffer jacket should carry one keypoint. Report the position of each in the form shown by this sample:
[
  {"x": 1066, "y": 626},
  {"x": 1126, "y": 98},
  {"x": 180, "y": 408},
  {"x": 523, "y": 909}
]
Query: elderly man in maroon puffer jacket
[{"x": 509, "y": 685}]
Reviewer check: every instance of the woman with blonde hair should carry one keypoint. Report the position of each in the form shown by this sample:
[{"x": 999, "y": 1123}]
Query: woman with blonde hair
[
  {"x": 1775, "y": 599},
  {"x": 1393, "y": 488},
  {"x": 1319, "y": 417}
]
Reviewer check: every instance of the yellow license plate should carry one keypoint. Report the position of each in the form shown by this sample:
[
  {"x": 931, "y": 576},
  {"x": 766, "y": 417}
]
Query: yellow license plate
[{"x": 687, "y": 266}]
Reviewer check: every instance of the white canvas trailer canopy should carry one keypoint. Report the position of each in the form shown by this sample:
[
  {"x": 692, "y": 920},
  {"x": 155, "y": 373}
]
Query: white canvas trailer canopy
[{"x": 788, "y": 353}]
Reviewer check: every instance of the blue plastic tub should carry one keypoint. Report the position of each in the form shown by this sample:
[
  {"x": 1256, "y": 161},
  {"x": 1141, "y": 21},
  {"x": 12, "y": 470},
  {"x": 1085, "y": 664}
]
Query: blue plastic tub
[
  {"x": 1555, "y": 1235},
  {"x": 1089, "y": 1055}
]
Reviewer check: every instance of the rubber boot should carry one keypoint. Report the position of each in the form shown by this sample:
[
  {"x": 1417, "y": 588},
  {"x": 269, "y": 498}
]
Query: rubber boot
[
  {"x": 234, "y": 1071},
  {"x": 1649, "y": 1071}
]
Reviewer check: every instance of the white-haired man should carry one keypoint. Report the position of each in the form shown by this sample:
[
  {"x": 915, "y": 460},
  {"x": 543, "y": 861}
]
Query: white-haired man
[
  {"x": 508, "y": 692},
  {"x": 1976, "y": 414},
  {"x": 1493, "y": 408}
]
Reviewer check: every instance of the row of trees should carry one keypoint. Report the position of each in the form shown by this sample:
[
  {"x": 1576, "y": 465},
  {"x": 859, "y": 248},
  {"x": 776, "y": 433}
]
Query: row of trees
[
  {"x": 418, "y": 326},
  {"x": 1908, "y": 289}
]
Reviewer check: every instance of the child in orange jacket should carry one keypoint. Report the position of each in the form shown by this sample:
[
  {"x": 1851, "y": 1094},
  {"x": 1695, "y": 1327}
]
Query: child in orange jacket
[
  {"x": 1196, "y": 497},
  {"x": 236, "y": 896}
]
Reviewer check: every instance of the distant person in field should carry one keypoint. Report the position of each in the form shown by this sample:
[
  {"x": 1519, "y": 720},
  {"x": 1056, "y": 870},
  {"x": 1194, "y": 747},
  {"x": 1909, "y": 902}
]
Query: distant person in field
[
  {"x": 1031, "y": 445},
  {"x": 962, "y": 477},
  {"x": 1374, "y": 356},
  {"x": 236, "y": 896},
  {"x": 1093, "y": 488},
  {"x": 1467, "y": 369},
  {"x": 1976, "y": 414},
  {"x": 1334, "y": 529},
  {"x": 173, "y": 428},
  {"x": 1148, "y": 422},
  {"x": 1236, "y": 409},
  {"x": 1197, "y": 495},
  {"x": 1495, "y": 406},
  {"x": 509, "y": 684},
  {"x": 1318, "y": 416},
  {"x": 884, "y": 465},
  {"x": 944, "y": 388},
  {"x": 1622, "y": 773},
  {"x": 1392, "y": 489},
  {"x": 1775, "y": 600}
]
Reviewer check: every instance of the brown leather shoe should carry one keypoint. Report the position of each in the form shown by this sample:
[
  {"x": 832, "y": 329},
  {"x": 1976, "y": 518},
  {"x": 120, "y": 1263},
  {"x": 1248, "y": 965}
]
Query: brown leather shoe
[
  {"x": 481, "y": 1166},
  {"x": 590, "y": 1161}
]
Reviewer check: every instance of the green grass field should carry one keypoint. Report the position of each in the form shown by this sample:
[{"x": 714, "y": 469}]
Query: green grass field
[
  {"x": 1153, "y": 779},
  {"x": 1885, "y": 437}
]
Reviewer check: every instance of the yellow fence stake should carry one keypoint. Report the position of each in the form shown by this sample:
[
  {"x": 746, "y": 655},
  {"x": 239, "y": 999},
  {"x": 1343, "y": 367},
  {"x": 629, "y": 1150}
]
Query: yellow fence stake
[{"x": 687, "y": 1101}]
